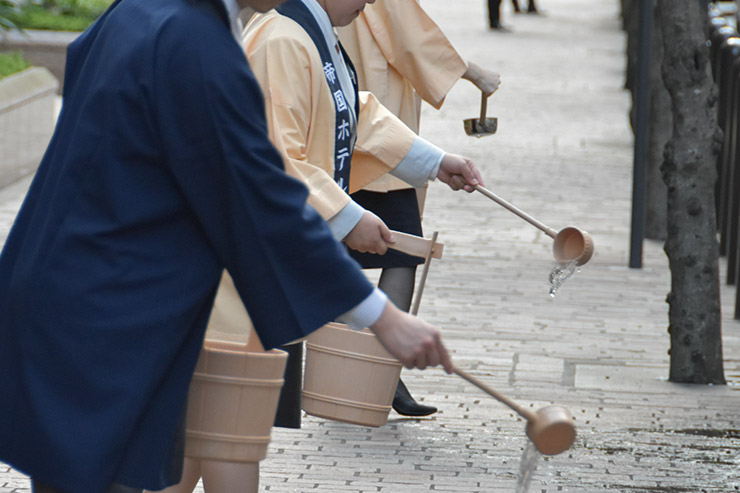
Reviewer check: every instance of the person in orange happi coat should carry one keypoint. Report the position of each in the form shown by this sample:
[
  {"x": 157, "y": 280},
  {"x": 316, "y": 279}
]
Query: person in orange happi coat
[{"x": 403, "y": 57}]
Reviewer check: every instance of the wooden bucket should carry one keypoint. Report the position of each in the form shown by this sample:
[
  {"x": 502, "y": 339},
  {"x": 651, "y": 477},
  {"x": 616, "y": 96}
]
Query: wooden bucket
[
  {"x": 232, "y": 402},
  {"x": 349, "y": 376}
]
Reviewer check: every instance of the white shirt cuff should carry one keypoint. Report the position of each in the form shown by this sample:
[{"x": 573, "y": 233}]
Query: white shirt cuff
[
  {"x": 367, "y": 312},
  {"x": 420, "y": 164},
  {"x": 345, "y": 220}
]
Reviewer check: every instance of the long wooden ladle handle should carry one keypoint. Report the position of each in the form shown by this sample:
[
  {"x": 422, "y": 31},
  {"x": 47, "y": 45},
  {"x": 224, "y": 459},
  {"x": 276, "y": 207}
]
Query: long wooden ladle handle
[
  {"x": 523, "y": 412},
  {"x": 483, "y": 106},
  {"x": 534, "y": 222},
  {"x": 415, "y": 245}
]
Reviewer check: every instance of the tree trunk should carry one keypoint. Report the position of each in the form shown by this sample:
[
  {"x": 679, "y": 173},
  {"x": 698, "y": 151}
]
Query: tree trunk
[
  {"x": 661, "y": 124},
  {"x": 689, "y": 172}
]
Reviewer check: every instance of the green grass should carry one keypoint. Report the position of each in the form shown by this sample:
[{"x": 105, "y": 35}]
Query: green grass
[
  {"x": 69, "y": 15},
  {"x": 11, "y": 63}
]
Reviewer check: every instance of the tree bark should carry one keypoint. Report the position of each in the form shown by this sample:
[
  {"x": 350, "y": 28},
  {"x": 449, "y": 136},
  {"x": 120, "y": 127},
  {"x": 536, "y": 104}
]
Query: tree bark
[
  {"x": 689, "y": 173},
  {"x": 661, "y": 125}
]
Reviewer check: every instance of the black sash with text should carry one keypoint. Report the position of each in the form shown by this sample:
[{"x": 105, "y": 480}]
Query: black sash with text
[{"x": 344, "y": 135}]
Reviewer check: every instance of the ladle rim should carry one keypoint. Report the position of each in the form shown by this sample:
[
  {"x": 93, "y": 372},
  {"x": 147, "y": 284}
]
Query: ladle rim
[
  {"x": 473, "y": 127},
  {"x": 547, "y": 418},
  {"x": 562, "y": 242}
]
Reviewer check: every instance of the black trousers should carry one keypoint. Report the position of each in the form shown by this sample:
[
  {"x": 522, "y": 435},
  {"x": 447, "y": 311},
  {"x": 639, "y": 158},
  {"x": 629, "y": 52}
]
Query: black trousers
[
  {"x": 288, "y": 414},
  {"x": 531, "y": 7},
  {"x": 494, "y": 14}
]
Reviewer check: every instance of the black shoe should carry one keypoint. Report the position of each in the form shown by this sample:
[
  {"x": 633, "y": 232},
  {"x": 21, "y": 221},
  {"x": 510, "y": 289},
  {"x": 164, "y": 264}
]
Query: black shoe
[
  {"x": 500, "y": 28},
  {"x": 404, "y": 404}
]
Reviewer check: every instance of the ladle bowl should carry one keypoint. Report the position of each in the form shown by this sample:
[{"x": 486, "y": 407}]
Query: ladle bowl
[
  {"x": 552, "y": 431},
  {"x": 482, "y": 125},
  {"x": 572, "y": 245},
  {"x": 479, "y": 128}
]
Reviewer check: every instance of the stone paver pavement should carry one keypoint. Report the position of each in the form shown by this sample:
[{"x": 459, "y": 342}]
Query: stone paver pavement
[{"x": 563, "y": 154}]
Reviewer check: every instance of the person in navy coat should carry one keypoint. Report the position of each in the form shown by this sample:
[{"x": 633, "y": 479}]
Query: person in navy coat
[{"x": 158, "y": 176}]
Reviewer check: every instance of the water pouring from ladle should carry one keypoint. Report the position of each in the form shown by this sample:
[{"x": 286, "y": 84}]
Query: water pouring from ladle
[{"x": 570, "y": 245}]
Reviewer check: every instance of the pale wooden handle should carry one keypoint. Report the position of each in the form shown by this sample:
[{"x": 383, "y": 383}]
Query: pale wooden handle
[
  {"x": 534, "y": 222},
  {"x": 523, "y": 412},
  {"x": 415, "y": 245}
]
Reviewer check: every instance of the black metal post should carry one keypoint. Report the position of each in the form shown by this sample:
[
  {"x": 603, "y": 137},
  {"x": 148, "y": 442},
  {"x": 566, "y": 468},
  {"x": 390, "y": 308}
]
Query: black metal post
[
  {"x": 733, "y": 173},
  {"x": 726, "y": 119},
  {"x": 719, "y": 31},
  {"x": 642, "y": 129}
]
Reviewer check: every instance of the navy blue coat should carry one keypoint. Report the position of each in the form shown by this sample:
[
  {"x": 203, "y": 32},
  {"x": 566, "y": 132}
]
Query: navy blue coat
[{"x": 159, "y": 175}]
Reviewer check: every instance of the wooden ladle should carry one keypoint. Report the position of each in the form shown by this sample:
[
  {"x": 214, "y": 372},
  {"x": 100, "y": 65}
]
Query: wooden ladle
[
  {"x": 551, "y": 428},
  {"x": 481, "y": 126},
  {"x": 570, "y": 245}
]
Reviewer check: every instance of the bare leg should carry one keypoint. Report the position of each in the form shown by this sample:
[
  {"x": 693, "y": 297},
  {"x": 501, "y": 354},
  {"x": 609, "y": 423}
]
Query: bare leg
[
  {"x": 190, "y": 477},
  {"x": 230, "y": 477}
]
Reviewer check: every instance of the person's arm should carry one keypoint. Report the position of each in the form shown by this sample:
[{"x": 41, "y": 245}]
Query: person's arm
[
  {"x": 486, "y": 80},
  {"x": 413, "y": 44},
  {"x": 411, "y": 340},
  {"x": 415, "y": 343},
  {"x": 396, "y": 147},
  {"x": 360, "y": 229}
]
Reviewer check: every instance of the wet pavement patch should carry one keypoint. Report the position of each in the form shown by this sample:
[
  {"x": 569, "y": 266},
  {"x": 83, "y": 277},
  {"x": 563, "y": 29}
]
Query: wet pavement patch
[
  {"x": 652, "y": 489},
  {"x": 708, "y": 432}
]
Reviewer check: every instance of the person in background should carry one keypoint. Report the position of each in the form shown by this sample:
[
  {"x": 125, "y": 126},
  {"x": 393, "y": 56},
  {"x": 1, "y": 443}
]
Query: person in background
[
  {"x": 494, "y": 16},
  {"x": 159, "y": 176},
  {"x": 403, "y": 57},
  {"x": 315, "y": 114},
  {"x": 494, "y": 13},
  {"x": 531, "y": 7}
]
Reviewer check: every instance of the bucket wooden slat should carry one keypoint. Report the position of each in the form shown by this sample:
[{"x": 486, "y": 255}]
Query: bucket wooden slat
[
  {"x": 349, "y": 376},
  {"x": 232, "y": 402}
]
